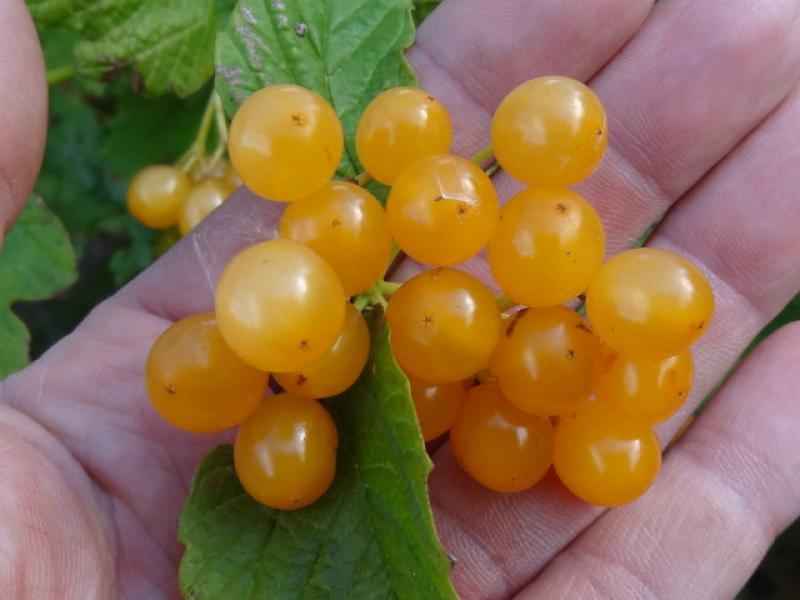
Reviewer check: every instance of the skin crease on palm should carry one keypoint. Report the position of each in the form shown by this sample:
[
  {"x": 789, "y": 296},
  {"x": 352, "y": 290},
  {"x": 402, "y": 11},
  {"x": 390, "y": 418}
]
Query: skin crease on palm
[{"x": 704, "y": 112}]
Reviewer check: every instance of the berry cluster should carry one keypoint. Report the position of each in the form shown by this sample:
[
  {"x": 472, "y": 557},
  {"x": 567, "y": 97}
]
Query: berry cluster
[{"x": 520, "y": 381}]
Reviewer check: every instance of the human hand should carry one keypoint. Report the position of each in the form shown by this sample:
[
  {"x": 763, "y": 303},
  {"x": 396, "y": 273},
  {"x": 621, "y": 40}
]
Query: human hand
[{"x": 704, "y": 110}]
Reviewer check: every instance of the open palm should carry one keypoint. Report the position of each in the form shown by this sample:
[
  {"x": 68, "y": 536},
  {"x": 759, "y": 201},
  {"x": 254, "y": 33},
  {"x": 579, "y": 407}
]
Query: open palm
[{"x": 704, "y": 110}]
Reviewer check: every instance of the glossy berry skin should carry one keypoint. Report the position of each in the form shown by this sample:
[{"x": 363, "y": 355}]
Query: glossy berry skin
[
  {"x": 444, "y": 325},
  {"x": 285, "y": 142},
  {"x": 280, "y": 306},
  {"x": 442, "y": 210},
  {"x": 437, "y": 404},
  {"x": 346, "y": 226},
  {"x": 544, "y": 360},
  {"x": 204, "y": 198},
  {"x": 285, "y": 452},
  {"x": 156, "y": 194},
  {"x": 398, "y": 127},
  {"x": 604, "y": 459},
  {"x": 643, "y": 389},
  {"x": 196, "y": 382},
  {"x": 498, "y": 445},
  {"x": 550, "y": 131},
  {"x": 548, "y": 245},
  {"x": 650, "y": 302},
  {"x": 337, "y": 370}
]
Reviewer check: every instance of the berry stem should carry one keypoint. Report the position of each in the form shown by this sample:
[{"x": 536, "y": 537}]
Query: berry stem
[
  {"x": 363, "y": 179},
  {"x": 505, "y": 302},
  {"x": 198, "y": 148},
  {"x": 378, "y": 294},
  {"x": 483, "y": 155},
  {"x": 222, "y": 129},
  {"x": 60, "y": 74}
]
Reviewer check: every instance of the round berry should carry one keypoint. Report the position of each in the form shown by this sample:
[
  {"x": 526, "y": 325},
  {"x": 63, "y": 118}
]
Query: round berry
[
  {"x": 280, "y": 306},
  {"x": 649, "y": 302},
  {"x": 204, "y": 198},
  {"x": 337, "y": 370},
  {"x": 547, "y": 247},
  {"x": 156, "y": 194},
  {"x": 285, "y": 142},
  {"x": 643, "y": 389},
  {"x": 346, "y": 226},
  {"x": 285, "y": 452},
  {"x": 544, "y": 360},
  {"x": 442, "y": 210},
  {"x": 498, "y": 445},
  {"x": 398, "y": 127},
  {"x": 196, "y": 382},
  {"x": 444, "y": 325},
  {"x": 437, "y": 404},
  {"x": 604, "y": 459},
  {"x": 550, "y": 131}
]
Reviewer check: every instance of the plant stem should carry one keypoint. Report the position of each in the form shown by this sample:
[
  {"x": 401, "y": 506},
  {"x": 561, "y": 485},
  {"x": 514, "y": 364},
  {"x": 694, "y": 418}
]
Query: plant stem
[
  {"x": 60, "y": 74},
  {"x": 483, "y": 155},
  {"x": 363, "y": 179},
  {"x": 222, "y": 129},
  {"x": 198, "y": 148},
  {"x": 388, "y": 288},
  {"x": 505, "y": 302}
]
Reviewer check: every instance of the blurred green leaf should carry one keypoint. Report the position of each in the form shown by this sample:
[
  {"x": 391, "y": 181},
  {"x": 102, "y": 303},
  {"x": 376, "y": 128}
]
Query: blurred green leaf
[
  {"x": 370, "y": 536},
  {"x": 423, "y": 8},
  {"x": 346, "y": 50},
  {"x": 170, "y": 45},
  {"x": 36, "y": 261}
]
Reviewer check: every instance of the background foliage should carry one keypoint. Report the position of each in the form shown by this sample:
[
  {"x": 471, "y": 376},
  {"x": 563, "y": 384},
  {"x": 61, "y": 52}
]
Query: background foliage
[{"x": 130, "y": 79}]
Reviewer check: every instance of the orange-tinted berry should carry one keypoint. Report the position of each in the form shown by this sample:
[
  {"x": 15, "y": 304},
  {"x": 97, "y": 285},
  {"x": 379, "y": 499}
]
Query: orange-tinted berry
[
  {"x": 201, "y": 201},
  {"x": 346, "y": 226},
  {"x": 285, "y": 452},
  {"x": 643, "y": 389},
  {"x": 285, "y": 142},
  {"x": 550, "y": 131},
  {"x": 280, "y": 306},
  {"x": 498, "y": 445},
  {"x": 547, "y": 247},
  {"x": 544, "y": 360},
  {"x": 337, "y": 370},
  {"x": 604, "y": 459},
  {"x": 649, "y": 302},
  {"x": 196, "y": 382},
  {"x": 442, "y": 210},
  {"x": 398, "y": 127},
  {"x": 156, "y": 194},
  {"x": 437, "y": 405},
  {"x": 445, "y": 325}
]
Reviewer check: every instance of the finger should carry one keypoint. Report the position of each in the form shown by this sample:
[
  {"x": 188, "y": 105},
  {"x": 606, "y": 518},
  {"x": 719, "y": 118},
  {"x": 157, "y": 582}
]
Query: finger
[
  {"x": 481, "y": 523},
  {"x": 23, "y": 109},
  {"x": 695, "y": 80},
  {"x": 740, "y": 225},
  {"x": 725, "y": 492},
  {"x": 471, "y": 53}
]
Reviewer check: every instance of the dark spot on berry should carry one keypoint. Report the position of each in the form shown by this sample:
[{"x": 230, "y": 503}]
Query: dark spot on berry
[
  {"x": 431, "y": 98},
  {"x": 561, "y": 208},
  {"x": 427, "y": 320},
  {"x": 513, "y": 325},
  {"x": 305, "y": 345},
  {"x": 301, "y": 379},
  {"x": 299, "y": 119},
  {"x": 170, "y": 389},
  {"x": 301, "y": 29},
  {"x": 701, "y": 324},
  {"x": 583, "y": 327},
  {"x": 568, "y": 253},
  {"x": 335, "y": 222},
  {"x": 599, "y": 132},
  {"x": 570, "y": 354},
  {"x": 462, "y": 209},
  {"x": 681, "y": 393}
]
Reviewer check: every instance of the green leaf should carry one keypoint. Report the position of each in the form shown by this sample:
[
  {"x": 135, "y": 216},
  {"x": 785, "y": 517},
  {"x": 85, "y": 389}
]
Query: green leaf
[
  {"x": 371, "y": 536},
  {"x": 346, "y": 50},
  {"x": 169, "y": 44},
  {"x": 36, "y": 261},
  {"x": 423, "y": 8}
]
